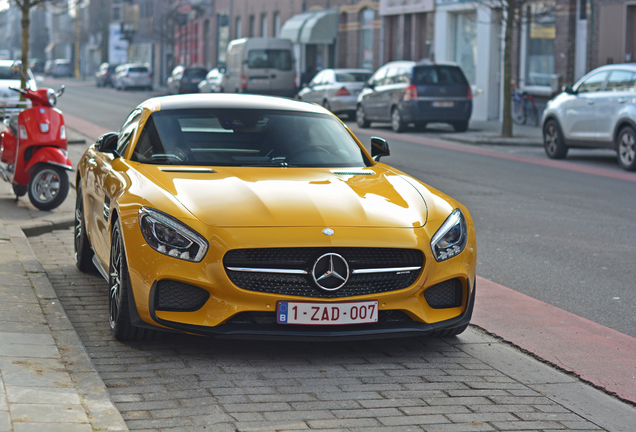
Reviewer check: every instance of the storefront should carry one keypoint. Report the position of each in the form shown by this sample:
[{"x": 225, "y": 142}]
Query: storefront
[{"x": 470, "y": 34}]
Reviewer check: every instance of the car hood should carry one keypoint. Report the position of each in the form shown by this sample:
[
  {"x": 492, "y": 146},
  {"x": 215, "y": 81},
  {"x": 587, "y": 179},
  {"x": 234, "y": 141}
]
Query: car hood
[{"x": 297, "y": 197}]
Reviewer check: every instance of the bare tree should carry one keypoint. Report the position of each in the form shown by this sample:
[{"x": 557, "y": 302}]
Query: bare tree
[{"x": 25, "y": 8}]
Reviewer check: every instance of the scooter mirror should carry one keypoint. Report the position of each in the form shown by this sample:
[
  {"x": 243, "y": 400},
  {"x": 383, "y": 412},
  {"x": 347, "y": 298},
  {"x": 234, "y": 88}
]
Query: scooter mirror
[
  {"x": 16, "y": 67},
  {"x": 61, "y": 91}
]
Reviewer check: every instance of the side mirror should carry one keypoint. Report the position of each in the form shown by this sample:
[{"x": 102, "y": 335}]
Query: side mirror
[
  {"x": 61, "y": 91},
  {"x": 16, "y": 66},
  {"x": 370, "y": 85},
  {"x": 568, "y": 89},
  {"x": 379, "y": 148},
  {"x": 107, "y": 143}
]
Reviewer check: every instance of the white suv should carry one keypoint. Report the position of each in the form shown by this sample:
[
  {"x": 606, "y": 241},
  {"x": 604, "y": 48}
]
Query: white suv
[{"x": 599, "y": 111}]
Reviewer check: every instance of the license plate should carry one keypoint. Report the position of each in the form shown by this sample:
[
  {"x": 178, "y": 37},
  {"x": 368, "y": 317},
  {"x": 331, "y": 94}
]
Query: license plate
[
  {"x": 327, "y": 313},
  {"x": 443, "y": 104}
]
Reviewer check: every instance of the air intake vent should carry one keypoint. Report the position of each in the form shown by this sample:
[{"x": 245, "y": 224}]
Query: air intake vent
[
  {"x": 179, "y": 297},
  {"x": 353, "y": 173},
  {"x": 447, "y": 294}
]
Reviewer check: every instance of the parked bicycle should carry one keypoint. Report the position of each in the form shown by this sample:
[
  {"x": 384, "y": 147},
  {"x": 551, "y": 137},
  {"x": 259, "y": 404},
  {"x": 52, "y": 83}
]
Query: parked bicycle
[{"x": 524, "y": 109}]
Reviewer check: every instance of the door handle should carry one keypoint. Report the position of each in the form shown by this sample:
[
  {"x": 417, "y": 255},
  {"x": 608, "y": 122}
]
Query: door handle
[
  {"x": 273, "y": 75},
  {"x": 590, "y": 102},
  {"x": 622, "y": 100}
]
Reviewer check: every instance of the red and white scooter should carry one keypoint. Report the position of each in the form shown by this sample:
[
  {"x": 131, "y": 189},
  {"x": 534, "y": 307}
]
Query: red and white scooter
[{"x": 33, "y": 150}]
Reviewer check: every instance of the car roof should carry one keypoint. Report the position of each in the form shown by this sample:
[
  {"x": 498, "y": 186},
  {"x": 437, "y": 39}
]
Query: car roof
[{"x": 230, "y": 101}]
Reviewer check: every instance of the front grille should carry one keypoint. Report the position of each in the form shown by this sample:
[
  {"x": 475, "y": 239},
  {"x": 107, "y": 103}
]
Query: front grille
[
  {"x": 179, "y": 297},
  {"x": 447, "y": 294},
  {"x": 260, "y": 318},
  {"x": 303, "y": 285}
]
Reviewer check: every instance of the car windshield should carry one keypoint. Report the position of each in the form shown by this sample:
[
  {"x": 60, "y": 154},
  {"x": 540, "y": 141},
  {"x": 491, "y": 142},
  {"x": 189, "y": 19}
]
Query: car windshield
[
  {"x": 353, "y": 76},
  {"x": 438, "y": 75},
  {"x": 208, "y": 137},
  {"x": 140, "y": 69}
]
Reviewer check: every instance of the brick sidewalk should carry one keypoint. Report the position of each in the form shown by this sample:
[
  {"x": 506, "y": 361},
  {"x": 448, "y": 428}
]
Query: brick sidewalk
[{"x": 188, "y": 383}]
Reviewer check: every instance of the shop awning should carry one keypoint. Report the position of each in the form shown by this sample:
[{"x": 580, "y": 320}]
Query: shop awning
[{"x": 315, "y": 27}]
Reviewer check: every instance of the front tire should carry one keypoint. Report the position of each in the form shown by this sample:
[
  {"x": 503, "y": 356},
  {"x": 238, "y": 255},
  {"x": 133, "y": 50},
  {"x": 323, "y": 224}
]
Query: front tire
[
  {"x": 626, "y": 147},
  {"x": 553, "y": 140},
  {"x": 83, "y": 251},
  {"x": 397, "y": 123},
  {"x": 48, "y": 187},
  {"x": 118, "y": 292}
]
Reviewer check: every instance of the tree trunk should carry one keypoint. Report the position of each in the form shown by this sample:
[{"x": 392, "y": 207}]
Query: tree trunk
[
  {"x": 26, "y": 27},
  {"x": 506, "y": 126}
]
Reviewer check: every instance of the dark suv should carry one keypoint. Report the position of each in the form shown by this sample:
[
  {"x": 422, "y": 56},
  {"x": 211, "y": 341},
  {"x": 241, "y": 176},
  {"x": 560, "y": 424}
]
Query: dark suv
[{"x": 405, "y": 92}]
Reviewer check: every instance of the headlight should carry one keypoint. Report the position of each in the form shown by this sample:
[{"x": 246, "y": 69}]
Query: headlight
[
  {"x": 50, "y": 95},
  {"x": 450, "y": 238},
  {"x": 170, "y": 237}
]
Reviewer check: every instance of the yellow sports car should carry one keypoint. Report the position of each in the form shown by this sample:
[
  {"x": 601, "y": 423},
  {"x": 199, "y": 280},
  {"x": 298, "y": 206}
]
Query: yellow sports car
[{"x": 259, "y": 217}]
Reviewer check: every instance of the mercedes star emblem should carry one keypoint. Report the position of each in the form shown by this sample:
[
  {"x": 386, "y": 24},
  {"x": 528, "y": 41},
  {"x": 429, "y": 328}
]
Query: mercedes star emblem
[{"x": 330, "y": 272}]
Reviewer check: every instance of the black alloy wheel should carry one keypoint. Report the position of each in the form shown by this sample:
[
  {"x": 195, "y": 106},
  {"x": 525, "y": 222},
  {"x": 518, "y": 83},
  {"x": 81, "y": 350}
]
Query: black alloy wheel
[
  {"x": 83, "y": 251},
  {"x": 119, "y": 287},
  {"x": 626, "y": 147},
  {"x": 553, "y": 140}
]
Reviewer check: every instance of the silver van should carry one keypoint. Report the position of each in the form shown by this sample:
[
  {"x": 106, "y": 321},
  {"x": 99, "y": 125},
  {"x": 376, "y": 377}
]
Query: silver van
[{"x": 260, "y": 66}]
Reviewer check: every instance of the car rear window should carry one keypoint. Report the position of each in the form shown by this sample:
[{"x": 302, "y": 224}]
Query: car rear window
[
  {"x": 438, "y": 75},
  {"x": 353, "y": 76},
  {"x": 269, "y": 59},
  {"x": 266, "y": 138},
  {"x": 198, "y": 72},
  {"x": 139, "y": 69}
]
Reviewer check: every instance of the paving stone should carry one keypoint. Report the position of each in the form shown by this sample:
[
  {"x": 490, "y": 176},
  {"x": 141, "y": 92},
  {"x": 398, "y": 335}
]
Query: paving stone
[
  {"x": 47, "y": 413},
  {"x": 42, "y": 395}
]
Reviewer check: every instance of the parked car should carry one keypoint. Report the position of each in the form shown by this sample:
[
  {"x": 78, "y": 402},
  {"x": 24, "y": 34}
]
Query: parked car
[
  {"x": 257, "y": 217},
  {"x": 104, "y": 75},
  {"x": 62, "y": 68},
  {"x": 130, "y": 75},
  {"x": 406, "y": 92},
  {"x": 599, "y": 111},
  {"x": 336, "y": 89},
  {"x": 37, "y": 65},
  {"x": 213, "y": 82},
  {"x": 9, "y": 99},
  {"x": 185, "y": 79},
  {"x": 260, "y": 66},
  {"x": 48, "y": 67}
]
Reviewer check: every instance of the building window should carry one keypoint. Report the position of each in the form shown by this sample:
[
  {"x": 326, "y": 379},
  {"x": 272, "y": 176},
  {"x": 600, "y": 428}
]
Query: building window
[
  {"x": 250, "y": 29},
  {"x": 541, "y": 36},
  {"x": 264, "y": 25},
  {"x": 367, "y": 21},
  {"x": 237, "y": 28},
  {"x": 276, "y": 24},
  {"x": 465, "y": 47},
  {"x": 117, "y": 13}
]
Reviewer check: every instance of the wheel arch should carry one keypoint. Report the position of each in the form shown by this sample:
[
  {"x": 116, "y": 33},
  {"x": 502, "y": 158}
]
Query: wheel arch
[{"x": 620, "y": 125}]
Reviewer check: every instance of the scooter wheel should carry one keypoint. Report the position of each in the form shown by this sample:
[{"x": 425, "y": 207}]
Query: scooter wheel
[{"x": 48, "y": 187}]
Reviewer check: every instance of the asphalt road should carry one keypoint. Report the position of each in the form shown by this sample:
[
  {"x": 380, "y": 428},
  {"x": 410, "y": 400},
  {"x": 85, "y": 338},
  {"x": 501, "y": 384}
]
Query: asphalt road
[{"x": 562, "y": 236}]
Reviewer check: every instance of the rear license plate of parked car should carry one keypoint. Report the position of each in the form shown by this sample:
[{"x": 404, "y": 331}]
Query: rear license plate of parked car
[
  {"x": 443, "y": 104},
  {"x": 327, "y": 313}
]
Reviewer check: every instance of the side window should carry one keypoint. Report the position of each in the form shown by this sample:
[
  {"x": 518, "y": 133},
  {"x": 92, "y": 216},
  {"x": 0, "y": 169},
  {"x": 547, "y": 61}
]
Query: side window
[
  {"x": 128, "y": 130},
  {"x": 317, "y": 80},
  {"x": 593, "y": 83},
  {"x": 621, "y": 81},
  {"x": 378, "y": 77},
  {"x": 391, "y": 76}
]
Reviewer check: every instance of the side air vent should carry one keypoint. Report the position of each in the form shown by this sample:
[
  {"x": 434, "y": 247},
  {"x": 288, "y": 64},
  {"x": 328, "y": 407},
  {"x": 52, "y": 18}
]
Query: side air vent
[{"x": 447, "y": 294}]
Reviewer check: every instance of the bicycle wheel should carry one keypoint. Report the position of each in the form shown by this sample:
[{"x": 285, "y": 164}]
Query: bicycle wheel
[
  {"x": 518, "y": 113},
  {"x": 532, "y": 115}
]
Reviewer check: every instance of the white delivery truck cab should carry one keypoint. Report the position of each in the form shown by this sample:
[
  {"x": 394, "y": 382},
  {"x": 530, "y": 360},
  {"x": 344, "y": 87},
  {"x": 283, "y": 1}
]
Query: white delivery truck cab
[{"x": 260, "y": 66}]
